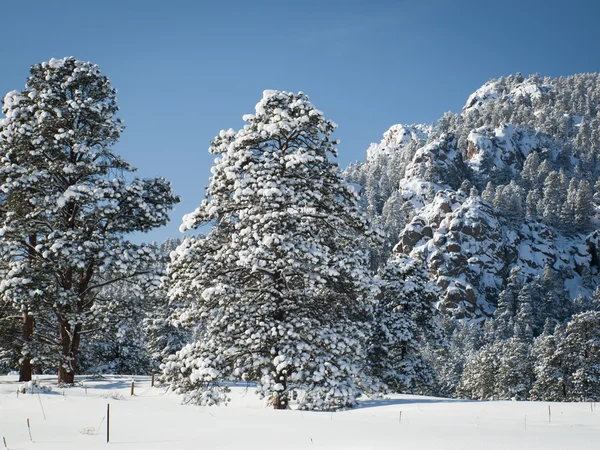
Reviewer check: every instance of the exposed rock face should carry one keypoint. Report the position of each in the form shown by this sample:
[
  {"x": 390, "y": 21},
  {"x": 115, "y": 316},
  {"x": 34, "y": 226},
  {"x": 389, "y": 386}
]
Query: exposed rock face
[
  {"x": 397, "y": 138},
  {"x": 502, "y": 149},
  {"x": 527, "y": 91},
  {"x": 470, "y": 250},
  {"x": 439, "y": 162},
  {"x": 465, "y": 253}
]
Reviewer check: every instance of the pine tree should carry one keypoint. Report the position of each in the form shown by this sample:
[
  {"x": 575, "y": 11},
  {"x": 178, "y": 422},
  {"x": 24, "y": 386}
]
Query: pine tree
[
  {"x": 9, "y": 334},
  {"x": 163, "y": 337},
  {"x": 550, "y": 378},
  {"x": 478, "y": 380},
  {"x": 553, "y": 199},
  {"x": 581, "y": 347},
  {"x": 534, "y": 203},
  {"x": 567, "y": 212},
  {"x": 582, "y": 140},
  {"x": 508, "y": 201},
  {"x": 526, "y": 315},
  {"x": 530, "y": 171},
  {"x": 405, "y": 321},
  {"x": 489, "y": 192},
  {"x": 583, "y": 206},
  {"x": 67, "y": 206},
  {"x": 515, "y": 372},
  {"x": 277, "y": 292},
  {"x": 508, "y": 304},
  {"x": 118, "y": 343},
  {"x": 449, "y": 360}
]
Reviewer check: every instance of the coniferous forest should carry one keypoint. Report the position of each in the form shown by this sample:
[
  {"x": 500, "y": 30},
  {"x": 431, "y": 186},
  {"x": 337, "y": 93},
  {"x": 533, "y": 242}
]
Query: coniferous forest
[{"x": 459, "y": 259}]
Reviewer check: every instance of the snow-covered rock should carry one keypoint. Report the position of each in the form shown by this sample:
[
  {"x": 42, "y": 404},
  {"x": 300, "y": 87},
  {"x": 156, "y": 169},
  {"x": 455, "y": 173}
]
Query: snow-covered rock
[
  {"x": 497, "y": 90},
  {"x": 462, "y": 243},
  {"x": 398, "y": 137},
  {"x": 438, "y": 162},
  {"x": 510, "y": 182},
  {"x": 502, "y": 148}
]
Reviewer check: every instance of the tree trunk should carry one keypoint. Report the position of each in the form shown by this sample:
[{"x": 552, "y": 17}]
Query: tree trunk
[
  {"x": 70, "y": 340},
  {"x": 25, "y": 370},
  {"x": 281, "y": 401},
  {"x": 66, "y": 375}
]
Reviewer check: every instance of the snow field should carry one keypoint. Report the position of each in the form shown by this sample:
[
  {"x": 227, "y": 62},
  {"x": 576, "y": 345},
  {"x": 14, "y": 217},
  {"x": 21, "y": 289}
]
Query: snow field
[{"x": 155, "y": 419}]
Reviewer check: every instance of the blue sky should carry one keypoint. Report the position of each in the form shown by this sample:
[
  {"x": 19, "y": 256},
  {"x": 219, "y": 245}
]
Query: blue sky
[{"x": 187, "y": 69}]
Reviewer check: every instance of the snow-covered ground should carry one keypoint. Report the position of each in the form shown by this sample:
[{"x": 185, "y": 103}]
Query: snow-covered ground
[{"x": 153, "y": 419}]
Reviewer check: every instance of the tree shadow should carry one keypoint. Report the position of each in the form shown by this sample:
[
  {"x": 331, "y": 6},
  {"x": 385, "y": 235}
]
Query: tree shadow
[{"x": 379, "y": 402}]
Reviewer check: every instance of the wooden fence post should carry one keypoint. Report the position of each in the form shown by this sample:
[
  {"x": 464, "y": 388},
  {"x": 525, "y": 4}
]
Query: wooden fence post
[{"x": 29, "y": 429}]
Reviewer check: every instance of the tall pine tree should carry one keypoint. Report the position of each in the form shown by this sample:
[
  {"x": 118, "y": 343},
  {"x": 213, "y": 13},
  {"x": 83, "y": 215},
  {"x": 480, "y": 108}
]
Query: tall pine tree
[
  {"x": 405, "y": 321},
  {"x": 67, "y": 206},
  {"x": 278, "y": 291}
]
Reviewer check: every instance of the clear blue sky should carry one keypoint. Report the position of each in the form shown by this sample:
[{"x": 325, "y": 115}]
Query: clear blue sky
[{"x": 187, "y": 69}]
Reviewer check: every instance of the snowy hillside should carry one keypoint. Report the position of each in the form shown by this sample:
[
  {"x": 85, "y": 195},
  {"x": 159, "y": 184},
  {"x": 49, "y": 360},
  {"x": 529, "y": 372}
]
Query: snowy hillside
[
  {"x": 509, "y": 183},
  {"x": 152, "y": 419}
]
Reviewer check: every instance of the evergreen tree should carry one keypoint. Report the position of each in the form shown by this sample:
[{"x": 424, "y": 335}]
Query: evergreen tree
[
  {"x": 404, "y": 323},
  {"x": 508, "y": 201},
  {"x": 553, "y": 199},
  {"x": 478, "y": 380},
  {"x": 583, "y": 206},
  {"x": 9, "y": 334},
  {"x": 530, "y": 171},
  {"x": 67, "y": 206},
  {"x": 394, "y": 217},
  {"x": 278, "y": 291},
  {"x": 581, "y": 347},
  {"x": 163, "y": 337},
  {"x": 449, "y": 360},
  {"x": 526, "y": 314},
  {"x": 534, "y": 203},
  {"x": 489, "y": 192},
  {"x": 550, "y": 378},
  {"x": 508, "y": 304},
  {"x": 567, "y": 212},
  {"x": 515, "y": 372},
  {"x": 117, "y": 344}
]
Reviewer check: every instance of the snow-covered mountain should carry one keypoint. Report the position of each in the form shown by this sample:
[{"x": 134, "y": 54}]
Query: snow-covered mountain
[{"x": 508, "y": 184}]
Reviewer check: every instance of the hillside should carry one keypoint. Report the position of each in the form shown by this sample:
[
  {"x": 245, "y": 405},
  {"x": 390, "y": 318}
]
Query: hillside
[{"x": 508, "y": 186}]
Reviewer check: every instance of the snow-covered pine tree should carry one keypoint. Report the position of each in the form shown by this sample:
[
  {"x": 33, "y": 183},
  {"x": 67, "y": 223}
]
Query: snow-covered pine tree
[
  {"x": 581, "y": 347},
  {"x": 66, "y": 204},
  {"x": 478, "y": 381},
  {"x": 584, "y": 206},
  {"x": 508, "y": 305},
  {"x": 515, "y": 371},
  {"x": 162, "y": 337},
  {"x": 130, "y": 330},
  {"x": 554, "y": 196},
  {"x": 278, "y": 291},
  {"x": 116, "y": 343},
  {"x": 404, "y": 322},
  {"x": 549, "y": 377},
  {"x": 449, "y": 361},
  {"x": 567, "y": 362},
  {"x": 9, "y": 334},
  {"x": 549, "y": 366}
]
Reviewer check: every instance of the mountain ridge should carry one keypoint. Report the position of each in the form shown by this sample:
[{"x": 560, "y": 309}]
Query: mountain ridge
[{"x": 509, "y": 183}]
